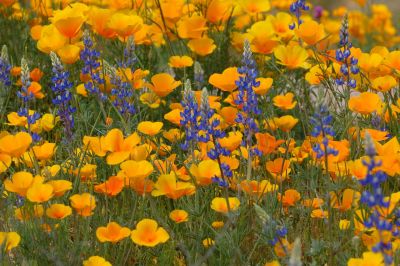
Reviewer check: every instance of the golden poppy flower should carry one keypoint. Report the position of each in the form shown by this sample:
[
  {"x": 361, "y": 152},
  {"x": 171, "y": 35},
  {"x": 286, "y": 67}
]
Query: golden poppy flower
[
  {"x": 263, "y": 38},
  {"x": 265, "y": 85},
  {"x": 45, "y": 151},
  {"x": 254, "y": 6},
  {"x": 149, "y": 234},
  {"x": 219, "y": 11},
  {"x": 60, "y": 186},
  {"x": 203, "y": 46},
  {"x": 150, "y": 128},
  {"x": 58, "y": 211},
  {"x": 344, "y": 224},
  {"x": 205, "y": 171},
  {"x": 232, "y": 141},
  {"x": 118, "y": 146},
  {"x": 289, "y": 198},
  {"x": 40, "y": 192},
  {"x": 150, "y": 99},
  {"x": 217, "y": 224},
  {"x": 348, "y": 196},
  {"x": 291, "y": 56},
  {"x": 226, "y": 81},
  {"x": 319, "y": 213},
  {"x": 173, "y": 135},
  {"x": 286, "y": 122},
  {"x": 48, "y": 122},
  {"x": 384, "y": 84},
  {"x": 174, "y": 116},
  {"x": 96, "y": 261},
  {"x": 113, "y": 232},
  {"x": 68, "y": 21},
  {"x": 180, "y": 61},
  {"x": 136, "y": 169},
  {"x": 311, "y": 32},
  {"x": 365, "y": 103},
  {"x": 20, "y": 182},
  {"x": 84, "y": 204},
  {"x": 124, "y": 24},
  {"x": 267, "y": 143},
  {"x": 50, "y": 39},
  {"x": 191, "y": 27},
  {"x": 285, "y": 102},
  {"x": 258, "y": 188},
  {"x": 219, "y": 204},
  {"x": 167, "y": 185},
  {"x": 179, "y": 216},
  {"x": 9, "y": 240},
  {"x": 163, "y": 84},
  {"x": 208, "y": 242},
  {"x": 98, "y": 19},
  {"x": 69, "y": 53},
  {"x": 112, "y": 187}
]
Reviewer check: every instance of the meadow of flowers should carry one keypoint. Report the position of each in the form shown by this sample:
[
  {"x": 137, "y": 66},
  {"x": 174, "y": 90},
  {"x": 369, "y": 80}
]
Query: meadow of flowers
[{"x": 199, "y": 132}]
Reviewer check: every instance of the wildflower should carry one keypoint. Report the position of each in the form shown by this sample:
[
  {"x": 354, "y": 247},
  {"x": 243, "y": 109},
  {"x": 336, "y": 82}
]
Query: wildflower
[
  {"x": 179, "y": 216},
  {"x": 147, "y": 233},
  {"x": 150, "y": 128},
  {"x": 292, "y": 57},
  {"x": 84, "y": 204},
  {"x": 112, "y": 187},
  {"x": 27, "y": 96},
  {"x": 40, "y": 192},
  {"x": 15, "y": 145},
  {"x": 20, "y": 182},
  {"x": 137, "y": 169},
  {"x": 5, "y": 68},
  {"x": 369, "y": 258},
  {"x": 163, "y": 84},
  {"x": 343, "y": 55},
  {"x": 224, "y": 205},
  {"x": 286, "y": 122},
  {"x": 90, "y": 57},
  {"x": 321, "y": 122},
  {"x": 203, "y": 46},
  {"x": 189, "y": 117},
  {"x": 296, "y": 8},
  {"x": 226, "y": 81},
  {"x": 125, "y": 24},
  {"x": 60, "y": 187},
  {"x": 58, "y": 211},
  {"x": 344, "y": 224},
  {"x": 208, "y": 242},
  {"x": 290, "y": 197},
  {"x": 129, "y": 58},
  {"x": 365, "y": 103},
  {"x": 69, "y": 21},
  {"x": 113, "y": 232},
  {"x": 9, "y": 240},
  {"x": 311, "y": 32},
  {"x": 372, "y": 196},
  {"x": 96, "y": 261},
  {"x": 191, "y": 27},
  {"x": 167, "y": 185},
  {"x": 279, "y": 169},
  {"x": 69, "y": 53},
  {"x": 119, "y": 147},
  {"x": 180, "y": 61},
  {"x": 285, "y": 102},
  {"x": 205, "y": 171}
]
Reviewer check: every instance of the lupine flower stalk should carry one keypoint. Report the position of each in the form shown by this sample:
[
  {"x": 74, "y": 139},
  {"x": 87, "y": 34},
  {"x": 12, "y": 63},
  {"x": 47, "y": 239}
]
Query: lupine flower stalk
[
  {"x": 247, "y": 100},
  {"x": 210, "y": 126},
  {"x": 91, "y": 59},
  {"x": 374, "y": 199},
  {"x": 343, "y": 55},
  {"x": 296, "y": 8},
  {"x": 61, "y": 86},
  {"x": 27, "y": 97},
  {"x": 5, "y": 68},
  {"x": 189, "y": 117},
  {"x": 129, "y": 57}
]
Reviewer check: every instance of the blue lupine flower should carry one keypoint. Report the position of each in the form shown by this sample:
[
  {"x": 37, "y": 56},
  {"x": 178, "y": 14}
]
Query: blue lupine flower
[
  {"x": 90, "y": 57},
  {"x": 129, "y": 58},
  {"x": 27, "y": 97},
  {"x": 189, "y": 117},
  {"x": 321, "y": 122},
  {"x": 247, "y": 98},
  {"x": 210, "y": 126},
  {"x": 374, "y": 199},
  {"x": 296, "y": 8},
  {"x": 123, "y": 93},
  {"x": 5, "y": 68},
  {"x": 343, "y": 55},
  {"x": 61, "y": 86}
]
